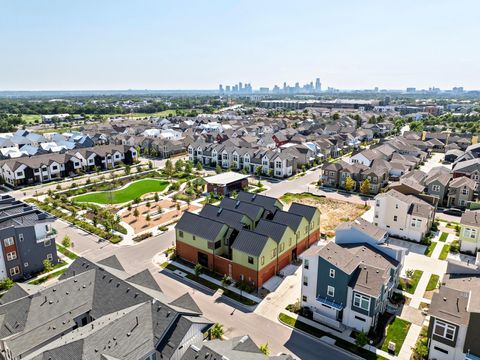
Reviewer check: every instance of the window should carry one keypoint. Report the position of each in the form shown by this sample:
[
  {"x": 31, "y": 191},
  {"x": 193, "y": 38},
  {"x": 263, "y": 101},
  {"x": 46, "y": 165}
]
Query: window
[
  {"x": 330, "y": 291},
  {"x": 49, "y": 257},
  {"x": 11, "y": 255},
  {"x": 19, "y": 173},
  {"x": 306, "y": 263},
  {"x": 218, "y": 244},
  {"x": 464, "y": 191},
  {"x": 194, "y": 237},
  {"x": 332, "y": 273},
  {"x": 360, "y": 318},
  {"x": 282, "y": 247},
  {"x": 361, "y": 301},
  {"x": 304, "y": 298},
  {"x": 471, "y": 233},
  {"x": 20, "y": 237},
  {"x": 305, "y": 280},
  {"x": 54, "y": 167},
  {"x": 14, "y": 271},
  {"x": 436, "y": 188},
  {"x": 262, "y": 260},
  {"x": 444, "y": 330},
  {"x": 180, "y": 233},
  {"x": 250, "y": 260},
  {"x": 290, "y": 242},
  {"x": 395, "y": 217},
  {"x": 274, "y": 252},
  {"x": 440, "y": 349},
  {"x": 306, "y": 229},
  {"x": 47, "y": 242},
  {"x": 8, "y": 241},
  {"x": 416, "y": 223}
]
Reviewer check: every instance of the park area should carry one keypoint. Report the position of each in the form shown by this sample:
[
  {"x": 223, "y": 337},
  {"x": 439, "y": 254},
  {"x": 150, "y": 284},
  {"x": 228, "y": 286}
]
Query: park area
[
  {"x": 334, "y": 212},
  {"x": 128, "y": 193}
]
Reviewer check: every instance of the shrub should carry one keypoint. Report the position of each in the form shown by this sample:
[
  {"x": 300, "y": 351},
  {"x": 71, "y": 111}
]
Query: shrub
[
  {"x": 66, "y": 242},
  {"x": 142, "y": 237}
]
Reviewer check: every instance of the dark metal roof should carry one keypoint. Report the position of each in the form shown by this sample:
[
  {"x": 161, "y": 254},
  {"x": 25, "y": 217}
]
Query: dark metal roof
[
  {"x": 292, "y": 220},
  {"x": 233, "y": 219},
  {"x": 200, "y": 226},
  {"x": 306, "y": 211},
  {"x": 253, "y": 211},
  {"x": 250, "y": 242},
  {"x": 271, "y": 229}
]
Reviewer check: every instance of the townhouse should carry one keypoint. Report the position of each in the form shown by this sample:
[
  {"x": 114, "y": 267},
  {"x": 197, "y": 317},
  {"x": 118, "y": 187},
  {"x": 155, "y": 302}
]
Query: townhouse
[
  {"x": 98, "y": 311},
  {"x": 249, "y": 238},
  {"x": 455, "y": 314},
  {"x": 469, "y": 236},
  {"x": 348, "y": 285},
  {"x": 42, "y": 168},
  {"x": 461, "y": 191},
  {"x": 403, "y": 216},
  {"x": 26, "y": 239}
]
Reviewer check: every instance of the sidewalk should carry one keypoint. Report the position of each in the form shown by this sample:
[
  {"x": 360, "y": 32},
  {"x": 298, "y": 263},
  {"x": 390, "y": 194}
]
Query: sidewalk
[{"x": 409, "y": 343}]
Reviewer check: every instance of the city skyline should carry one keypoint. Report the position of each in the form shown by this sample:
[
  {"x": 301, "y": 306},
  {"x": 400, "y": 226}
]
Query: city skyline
[{"x": 161, "y": 45}]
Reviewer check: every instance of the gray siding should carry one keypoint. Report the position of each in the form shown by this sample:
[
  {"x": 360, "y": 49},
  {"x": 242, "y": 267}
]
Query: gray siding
[{"x": 340, "y": 282}]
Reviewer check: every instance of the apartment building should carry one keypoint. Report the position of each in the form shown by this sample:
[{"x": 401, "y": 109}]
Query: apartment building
[
  {"x": 403, "y": 216},
  {"x": 248, "y": 239},
  {"x": 26, "y": 239},
  {"x": 470, "y": 231},
  {"x": 98, "y": 311}
]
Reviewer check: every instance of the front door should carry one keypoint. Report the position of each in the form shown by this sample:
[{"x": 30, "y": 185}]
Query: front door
[
  {"x": 203, "y": 259},
  {"x": 294, "y": 254}
]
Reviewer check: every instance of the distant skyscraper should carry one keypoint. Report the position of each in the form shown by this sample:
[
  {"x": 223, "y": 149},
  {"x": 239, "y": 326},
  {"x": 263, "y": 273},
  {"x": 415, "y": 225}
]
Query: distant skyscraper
[
  {"x": 227, "y": 88},
  {"x": 220, "y": 88},
  {"x": 318, "y": 86},
  {"x": 240, "y": 86}
]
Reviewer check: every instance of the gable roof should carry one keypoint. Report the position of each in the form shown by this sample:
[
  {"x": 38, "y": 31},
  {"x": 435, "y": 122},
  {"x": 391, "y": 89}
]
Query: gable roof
[
  {"x": 250, "y": 242},
  {"x": 200, "y": 226},
  {"x": 306, "y": 211}
]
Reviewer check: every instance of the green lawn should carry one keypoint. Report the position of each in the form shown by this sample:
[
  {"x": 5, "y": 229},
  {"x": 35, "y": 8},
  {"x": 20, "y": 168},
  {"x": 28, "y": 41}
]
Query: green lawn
[
  {"x": 297, "y": 324},
  {"x": 62, "y": 249},
  {"x": 132, "y": 191},
  {"x": 430, "y": 248},
  {"x": 30, "y": 119},
  {"x": 444, "y": 253},
  {"x": 432, "y": 282},
  {"x": 443, "y": 237},
  {"x": 396, "y": 332},
  {"x": 409, "y": 285}
]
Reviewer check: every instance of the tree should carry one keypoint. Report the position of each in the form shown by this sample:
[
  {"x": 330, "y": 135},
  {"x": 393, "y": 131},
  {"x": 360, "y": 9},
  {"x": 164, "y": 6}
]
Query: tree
[
  {"x": 264, "y": 349},
  {"x": 198, "y": 166},
  {"x": 361, "y": 339},
  {"x": 47, "y": 265},
  {"x": 258, "y": 170},
  {"x": 198, "y": 270},
  {"x": 148, "y": 218},
  {"x": 127, "y": 169},
  {"x": 6, "y": 284},
  {"x": 168, "y": 168},
  {"x": 218, "y": 169},
  {"x": 216, "y": 332},
  {"x": 365, "y": 187},
  {"x": 66, "y": 242},
  {"x": 225, "y": 281},
  {"x": 150, "y": 165},
  {"x": 336, "y": 116},
  {"x": 156, "y": 197},
  {"x": 188, "y": 167},
  {"x": 179, "y": 165},
  {"x": 349, "y": 183},
  {"x": 136, "y": 213}
]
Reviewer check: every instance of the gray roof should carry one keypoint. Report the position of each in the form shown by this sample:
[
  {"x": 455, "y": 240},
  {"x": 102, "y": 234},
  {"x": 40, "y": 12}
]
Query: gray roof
[
  {"x": 364, "y": 226},
  {"x": 292, "y": 220},
  {"x": 339, "y": 256},
  {"x": 128, "y": 323},
  {"x": 200, "y": 226},
  {"x": 232, "y": 218},
  {"x": 251, "y": 210},
  {"x": 306, "y": 211},
  {"x": 237, "y": 348},
  {"x": 271, "y": 229},
  {"x": 450, "y": 305},
  {"x": 471, "y": 217},
  {"x": 269, "y": 203},
  {"x": 111, "y": 261},
  {"x": 250, "y": 242},
  {"x": 144, "y": 278}
]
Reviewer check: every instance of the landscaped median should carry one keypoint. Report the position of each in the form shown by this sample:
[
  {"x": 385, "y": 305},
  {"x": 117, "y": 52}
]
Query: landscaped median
[
  {"x": 410, "y": 283},
  {"x": 396, "y": 332},
  {"x": 202, "y": 281},
  {"x": 344, "y": 344}
]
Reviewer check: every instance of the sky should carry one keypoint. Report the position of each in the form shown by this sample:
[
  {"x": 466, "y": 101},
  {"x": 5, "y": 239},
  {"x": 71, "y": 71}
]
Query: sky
[{"x": 198, "y": 44}]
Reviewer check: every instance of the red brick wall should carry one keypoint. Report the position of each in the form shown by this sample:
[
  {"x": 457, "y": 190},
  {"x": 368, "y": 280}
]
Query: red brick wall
[{"x": 190, "y": 253}]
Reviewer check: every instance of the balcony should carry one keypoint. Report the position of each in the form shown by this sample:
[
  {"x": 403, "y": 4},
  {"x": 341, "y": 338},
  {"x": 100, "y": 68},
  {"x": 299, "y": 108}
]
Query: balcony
[{"x": 48, "y": 236}]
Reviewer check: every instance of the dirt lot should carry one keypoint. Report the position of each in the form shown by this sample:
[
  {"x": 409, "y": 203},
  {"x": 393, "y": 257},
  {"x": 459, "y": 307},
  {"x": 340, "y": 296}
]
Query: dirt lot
[
  {"x": 333, "y": 212},
  {"x": 169, "y": 212}
]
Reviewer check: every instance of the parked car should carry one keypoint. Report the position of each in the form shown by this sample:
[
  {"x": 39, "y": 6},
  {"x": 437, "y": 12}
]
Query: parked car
[{"x": 453, "y": 211}]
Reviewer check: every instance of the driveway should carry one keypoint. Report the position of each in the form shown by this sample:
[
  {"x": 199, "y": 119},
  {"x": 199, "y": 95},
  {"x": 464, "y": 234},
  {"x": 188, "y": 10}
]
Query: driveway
[{"x": 434, "y": 161}]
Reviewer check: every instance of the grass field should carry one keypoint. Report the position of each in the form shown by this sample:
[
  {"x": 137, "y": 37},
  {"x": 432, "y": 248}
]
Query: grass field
[
  {"x": 132, "y": 191},
  {"x": 432, "y": 282},
  {"x": 443, "y": 237},
  {"x": 409, "y": 285},
  {"x": 444, "y": 253},
  {"x": 396, "y": 332},
  {"x": 30, "y": 119},
  {"x": 429, "y": 249}
]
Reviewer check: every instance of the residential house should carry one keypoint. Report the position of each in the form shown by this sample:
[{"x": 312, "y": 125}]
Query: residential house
[
  {"x": 403, "y": 216},
  {"x": 469, "y": 236},
  {"x": 461, "y": 191},
  {"x": 348, "y": 285},
  {"x": 455, "y": 314}
]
